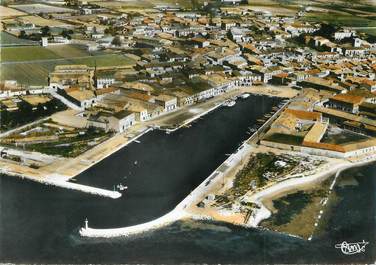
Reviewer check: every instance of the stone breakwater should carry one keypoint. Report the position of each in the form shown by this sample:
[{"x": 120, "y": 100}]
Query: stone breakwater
[
  {"x": 178, "y": 213},
  {"x": 263, "y": 213},
  {"x": 51, "y": 181}
]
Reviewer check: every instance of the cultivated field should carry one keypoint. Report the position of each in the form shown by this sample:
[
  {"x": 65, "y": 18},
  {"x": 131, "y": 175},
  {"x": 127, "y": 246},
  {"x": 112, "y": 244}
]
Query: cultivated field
[
  {"x": 9, "y": 12},
  {"x": 40, "y": 8},
  {"x": 103, "y": 60},
  {"x": 141, "y": 4},
  {"x": 31, "y": 65},
  {"x": 12, "y": 54},
  {"x": 339, "y": 12},
  {"x": 27, "y": 73},
  {"x": 8, "y": 39},
  {"x": 68, "y": 51},
  {"x": 336, "y": 19},
  {"x": 39, "y": 21}
]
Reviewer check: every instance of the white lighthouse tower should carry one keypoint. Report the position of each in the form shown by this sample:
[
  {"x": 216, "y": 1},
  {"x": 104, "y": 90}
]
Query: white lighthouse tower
[{"x": 86, "y": 224}]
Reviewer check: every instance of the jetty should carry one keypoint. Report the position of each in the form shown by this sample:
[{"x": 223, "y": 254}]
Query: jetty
[
  {"x": 57, "y": 181},
  {"x": 176, "y": 214}
]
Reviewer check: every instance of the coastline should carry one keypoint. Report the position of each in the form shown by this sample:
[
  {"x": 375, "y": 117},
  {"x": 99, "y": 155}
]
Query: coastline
[
  {"x": 267, "y": 196},
  {"x": 180, "y": 212}
]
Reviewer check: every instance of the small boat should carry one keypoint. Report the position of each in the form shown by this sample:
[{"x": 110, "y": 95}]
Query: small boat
[
  {"x": 136, "y": 141},
  {"x": 229, "y": 103},
  {"x": 121, "y": 187},
  {"x": 74, "y": 180},
  {"x": 245, "y": 95},
  {"x": 136, "y": 162}
]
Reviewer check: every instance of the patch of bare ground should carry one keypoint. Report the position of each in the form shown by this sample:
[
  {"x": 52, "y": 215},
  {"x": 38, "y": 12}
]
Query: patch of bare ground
[{"x": 301, "y": 213}]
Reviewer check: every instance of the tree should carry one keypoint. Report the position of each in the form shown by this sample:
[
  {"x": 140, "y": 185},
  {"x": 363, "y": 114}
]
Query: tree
[
  {"x": 45, "y": 31},
  {"x": 116, "y": 41},
  {"x": 23, "y": 34},
  {"x": 66, "y": 34},
  {"x": 326, "y": 30}
]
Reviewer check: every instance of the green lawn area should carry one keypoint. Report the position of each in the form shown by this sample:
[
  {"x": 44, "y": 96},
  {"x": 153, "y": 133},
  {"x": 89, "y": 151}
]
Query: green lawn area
[{"x": 26, "y": 53}]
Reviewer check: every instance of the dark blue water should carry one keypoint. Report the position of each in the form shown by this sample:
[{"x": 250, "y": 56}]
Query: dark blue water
[{"x": 40, "y": 223}]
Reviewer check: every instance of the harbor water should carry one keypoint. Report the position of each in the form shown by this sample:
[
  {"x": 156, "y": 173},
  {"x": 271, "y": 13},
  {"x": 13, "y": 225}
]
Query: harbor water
[{"x": 39, "y": 224}]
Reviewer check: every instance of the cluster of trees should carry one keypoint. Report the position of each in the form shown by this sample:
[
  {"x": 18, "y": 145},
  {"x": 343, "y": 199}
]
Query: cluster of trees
[
  {"x": 44, "y": 32},
  {"x": 116, "y": 41},
  {"x": 26, "y": 113}
]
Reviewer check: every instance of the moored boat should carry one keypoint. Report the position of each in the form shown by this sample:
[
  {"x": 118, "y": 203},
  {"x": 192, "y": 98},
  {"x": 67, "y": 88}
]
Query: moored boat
[
  {"x": 245, "y": 95},
  {"x": 229, "y": 103}
]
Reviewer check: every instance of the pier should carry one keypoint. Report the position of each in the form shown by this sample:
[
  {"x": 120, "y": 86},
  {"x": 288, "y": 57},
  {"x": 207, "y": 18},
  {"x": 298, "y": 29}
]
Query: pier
[
  {"x": 85, "y": 188},
  {"x": 61, "y": 183}
]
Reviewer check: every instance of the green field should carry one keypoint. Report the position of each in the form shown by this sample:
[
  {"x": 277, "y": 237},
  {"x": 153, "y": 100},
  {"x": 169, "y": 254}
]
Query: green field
[
  {"x": 8, "y": 39},
  {"x": 36, "y": 73},
  {"x": 27, "y": 73},
  {"x": 68, "y": 51},
  {"x": 32, "y": 53},
  {"x": 370, "y": 32},
  {"x": 142, "y": 4},
  {"x": 340, "y": 19},
  {"x": 26, "y": 53},
  {"x": 102, "y": 60}
]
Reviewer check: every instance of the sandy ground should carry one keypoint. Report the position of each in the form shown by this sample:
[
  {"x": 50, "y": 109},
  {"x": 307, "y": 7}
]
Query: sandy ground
[
  {"x": 263, "y": 197},
  {"x": 69, "y": 118},
  {"x": 276, "y": 91},
  {"x": 44, "y": 22}
]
